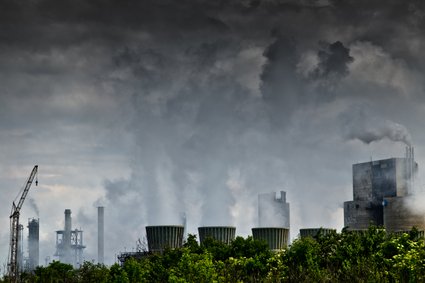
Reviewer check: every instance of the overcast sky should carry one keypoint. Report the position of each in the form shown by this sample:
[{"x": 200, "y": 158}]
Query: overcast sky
[{"x": 160, "y": 109}]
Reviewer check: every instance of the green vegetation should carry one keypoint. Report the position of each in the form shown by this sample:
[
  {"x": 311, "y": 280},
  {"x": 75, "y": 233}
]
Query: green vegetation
[{"x": 369, "y": 256}]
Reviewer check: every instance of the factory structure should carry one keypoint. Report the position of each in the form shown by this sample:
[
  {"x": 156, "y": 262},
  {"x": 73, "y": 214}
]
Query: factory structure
[
  {"x": 381, "y": 193},
  {"x": 69, "y": 243}
]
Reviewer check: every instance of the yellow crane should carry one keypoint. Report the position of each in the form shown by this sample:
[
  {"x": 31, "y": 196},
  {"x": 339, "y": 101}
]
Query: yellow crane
[{"x": 14, "y": 228}]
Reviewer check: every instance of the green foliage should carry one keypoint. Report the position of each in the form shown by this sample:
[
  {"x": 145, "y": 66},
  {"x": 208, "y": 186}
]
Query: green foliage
[
  {"x": 118, "y": 275},
  {"x": 55, "y": 272},
  {"x": 93, "y": 273}
]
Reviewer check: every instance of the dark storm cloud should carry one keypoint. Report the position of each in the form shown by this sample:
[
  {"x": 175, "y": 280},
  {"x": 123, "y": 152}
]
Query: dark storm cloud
[{"x": 334, "y": 60}]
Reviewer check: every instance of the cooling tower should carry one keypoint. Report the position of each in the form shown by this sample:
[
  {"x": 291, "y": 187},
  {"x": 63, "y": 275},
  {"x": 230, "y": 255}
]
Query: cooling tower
[
  {"x": 33, "y": 243},
  {"x": 225, "y": 234},
  {"x": 313, "y": 232},
  {"x": 398, "y": 215},
  {"x": 275, "y": 237},
  {"x": 163, "y": 237}
]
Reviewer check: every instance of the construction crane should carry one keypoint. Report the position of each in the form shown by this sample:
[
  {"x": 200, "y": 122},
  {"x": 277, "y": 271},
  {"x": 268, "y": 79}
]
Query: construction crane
[{"x": 14, "y": 228}]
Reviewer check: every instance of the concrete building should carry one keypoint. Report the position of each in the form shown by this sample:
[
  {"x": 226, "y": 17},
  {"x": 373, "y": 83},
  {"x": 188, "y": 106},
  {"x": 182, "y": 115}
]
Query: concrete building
[
  {"x": 273, "y": 210},
  {"x": 398, "y": 215},
  {"x": 380, "y": 189}
]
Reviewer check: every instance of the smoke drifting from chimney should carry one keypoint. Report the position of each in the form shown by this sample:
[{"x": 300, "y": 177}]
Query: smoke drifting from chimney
[
  {"x": 34, "y": 206},
  {"x": 360, "y": 125}
]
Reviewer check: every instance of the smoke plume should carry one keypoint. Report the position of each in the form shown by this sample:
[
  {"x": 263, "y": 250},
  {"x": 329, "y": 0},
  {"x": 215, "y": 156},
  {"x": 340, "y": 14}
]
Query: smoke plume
[
  {"x": 361, "y": 125},
  {"x": 34, "y": 206}
]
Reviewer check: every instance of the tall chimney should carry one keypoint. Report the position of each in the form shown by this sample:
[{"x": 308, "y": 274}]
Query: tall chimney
[
  {"x": 100, "y": 234},
  {"x": 67, "y": 236}
]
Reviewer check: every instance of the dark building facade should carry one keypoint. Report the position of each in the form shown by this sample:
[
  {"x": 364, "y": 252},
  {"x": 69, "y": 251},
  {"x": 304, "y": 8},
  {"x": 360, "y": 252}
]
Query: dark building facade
[{"x": 374, "y": 183}]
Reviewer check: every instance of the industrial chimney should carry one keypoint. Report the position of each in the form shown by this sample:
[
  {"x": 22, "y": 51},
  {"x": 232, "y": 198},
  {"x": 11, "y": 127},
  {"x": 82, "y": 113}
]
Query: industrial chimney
[
  {"x": 33, "y": 243},
  {"x": 100, "y": 234},
  {"x": 67, "y": 236}
]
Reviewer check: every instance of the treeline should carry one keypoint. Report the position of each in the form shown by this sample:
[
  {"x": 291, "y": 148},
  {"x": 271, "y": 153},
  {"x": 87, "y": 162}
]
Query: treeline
[{"x": 371, "y": 256}]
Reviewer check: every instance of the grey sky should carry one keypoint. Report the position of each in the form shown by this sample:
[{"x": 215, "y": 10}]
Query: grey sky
[{"x": 156, "y": 109}]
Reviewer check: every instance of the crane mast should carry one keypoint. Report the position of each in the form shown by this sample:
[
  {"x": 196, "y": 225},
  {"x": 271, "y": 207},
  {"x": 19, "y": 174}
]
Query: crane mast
[{"x": 14, "y": 227}]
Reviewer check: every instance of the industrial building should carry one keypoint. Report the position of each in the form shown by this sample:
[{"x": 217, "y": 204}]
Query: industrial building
[
  {"x": 69, "y": 243},
  {"x": 273, "y": 210},
  {"x": 380, "y": 191},
  {"x": 33, "y": 243}
]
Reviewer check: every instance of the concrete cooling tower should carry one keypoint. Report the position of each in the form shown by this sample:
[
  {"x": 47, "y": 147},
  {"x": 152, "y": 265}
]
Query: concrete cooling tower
[
  {"x": 275, "y": 237},
  {"x": 225, "y": 234},
  {"x": 164, "y": 236}
]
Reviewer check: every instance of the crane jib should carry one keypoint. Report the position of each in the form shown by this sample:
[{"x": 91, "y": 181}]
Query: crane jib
[{"x": 14, "y": 228}]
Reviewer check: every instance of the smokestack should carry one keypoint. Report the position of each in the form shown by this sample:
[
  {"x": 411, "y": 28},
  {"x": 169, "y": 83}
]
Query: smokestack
[
  {"x": 100, "y": 234},
  {"x": 67, "y": 236},
  {"x": 33, "y": 243}
]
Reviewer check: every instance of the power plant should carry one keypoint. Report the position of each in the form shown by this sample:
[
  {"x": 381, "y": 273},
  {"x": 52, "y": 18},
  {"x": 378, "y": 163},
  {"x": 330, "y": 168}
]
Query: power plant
[
  {"x": 69, "y": 243},
  {"x": 382, "y": 194},
  {"x": 381, "y": 191}
]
